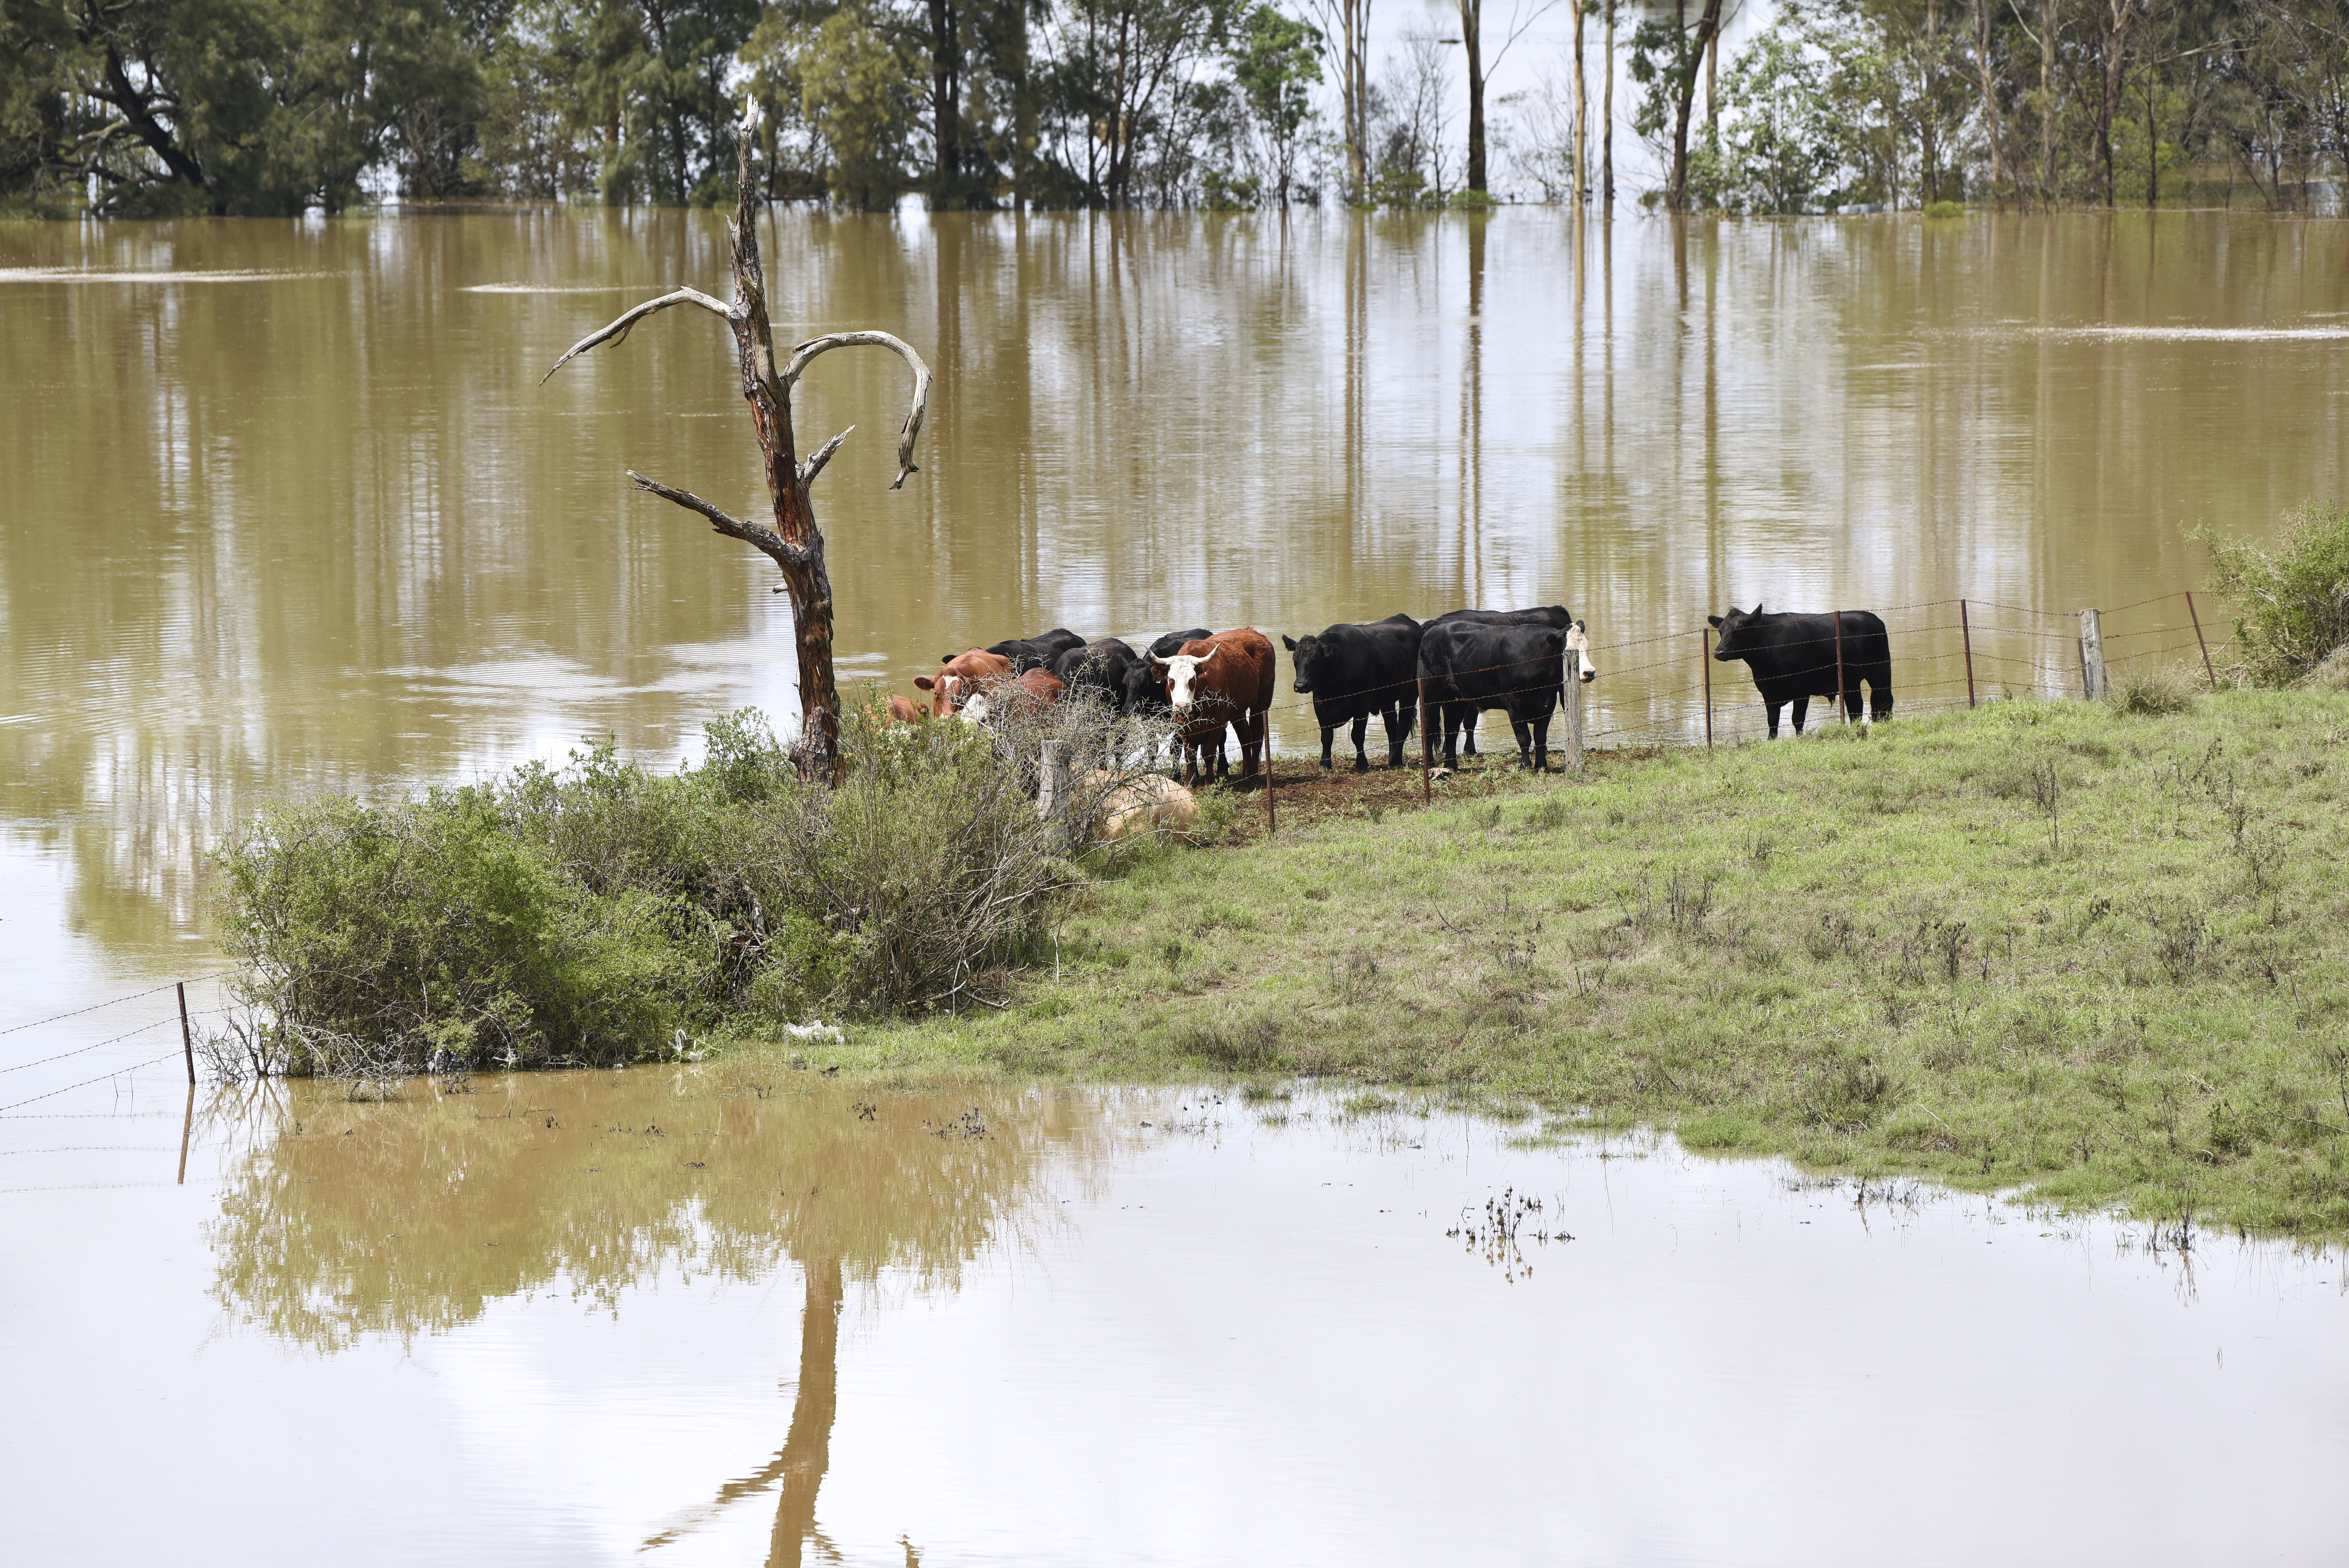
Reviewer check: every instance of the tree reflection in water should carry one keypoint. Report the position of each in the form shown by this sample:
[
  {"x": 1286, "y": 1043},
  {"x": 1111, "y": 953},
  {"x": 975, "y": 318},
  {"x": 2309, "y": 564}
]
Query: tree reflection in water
[{"x": 340, "y": 1222}]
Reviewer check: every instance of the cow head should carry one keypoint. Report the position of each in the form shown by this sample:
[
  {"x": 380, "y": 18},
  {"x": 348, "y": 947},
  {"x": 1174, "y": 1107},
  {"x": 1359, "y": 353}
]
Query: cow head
[
  {"x": 947, "y": 692},
  {"x": 1740, "y": 632},
  {"x": 1181, "y": 679},
  {"x": 1577, "y": 643},
  {"x": 1145, "y": 689},
  {"x": 1309, "y": 655}
]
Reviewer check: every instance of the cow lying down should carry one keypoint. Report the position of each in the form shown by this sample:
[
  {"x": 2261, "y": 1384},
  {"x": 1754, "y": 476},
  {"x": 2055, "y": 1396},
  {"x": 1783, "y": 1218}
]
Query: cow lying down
[{"x": 1151, "y": 803}]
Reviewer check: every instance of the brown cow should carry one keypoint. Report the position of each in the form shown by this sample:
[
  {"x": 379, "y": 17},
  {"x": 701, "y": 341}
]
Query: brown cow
[
  {"x": 1227, "y": 679},
  {"x": 1030, "y": 694},
  {"x": 954, "y": 684},
  {"x": 902, "y": 710}
]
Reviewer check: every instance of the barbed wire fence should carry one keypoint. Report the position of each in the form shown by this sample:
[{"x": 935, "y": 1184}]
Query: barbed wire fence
[{"x": 1946, "y": 655}]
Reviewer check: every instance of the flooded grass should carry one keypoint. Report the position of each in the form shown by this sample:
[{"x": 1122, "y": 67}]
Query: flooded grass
[{"x": 2099, "y": 954}]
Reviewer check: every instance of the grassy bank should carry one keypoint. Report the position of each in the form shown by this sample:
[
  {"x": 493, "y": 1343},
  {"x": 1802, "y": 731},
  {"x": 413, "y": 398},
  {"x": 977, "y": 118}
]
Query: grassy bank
[{"x": 2102, "y": 954}]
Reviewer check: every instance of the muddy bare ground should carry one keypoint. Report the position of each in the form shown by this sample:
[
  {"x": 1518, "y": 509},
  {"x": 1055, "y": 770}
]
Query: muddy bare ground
[{"x": 1304, "y": 795}]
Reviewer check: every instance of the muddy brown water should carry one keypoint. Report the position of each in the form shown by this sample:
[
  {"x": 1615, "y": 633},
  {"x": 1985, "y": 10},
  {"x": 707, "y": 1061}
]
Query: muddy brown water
[
  {"x": 283, "y": 508},
  {"x": 717, "y": 1316}
]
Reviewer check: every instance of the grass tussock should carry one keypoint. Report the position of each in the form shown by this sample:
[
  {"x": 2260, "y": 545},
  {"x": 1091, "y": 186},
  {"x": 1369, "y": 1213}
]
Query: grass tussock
[{"x": 2101, "y": 951}]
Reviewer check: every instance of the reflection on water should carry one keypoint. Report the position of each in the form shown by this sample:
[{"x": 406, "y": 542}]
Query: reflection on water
[
  {"x": 315, "y": 524},
  {"x": 687, "y": 1324},
  {"x": 407, "y": 1218}
]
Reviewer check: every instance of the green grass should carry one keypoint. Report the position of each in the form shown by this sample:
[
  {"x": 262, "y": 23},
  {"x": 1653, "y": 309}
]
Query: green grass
[{"x": 2096, "y": 953}]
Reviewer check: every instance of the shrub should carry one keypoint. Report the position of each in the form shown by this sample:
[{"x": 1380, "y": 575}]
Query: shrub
[
  {"x": 586, "y": 914},
  {"x": 1945, "y": 209},
  {"x": 2294, "y": 601}
]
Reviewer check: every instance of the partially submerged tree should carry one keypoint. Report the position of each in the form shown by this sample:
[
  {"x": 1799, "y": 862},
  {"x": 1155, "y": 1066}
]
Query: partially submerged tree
[{"x": 794, "y": 543}]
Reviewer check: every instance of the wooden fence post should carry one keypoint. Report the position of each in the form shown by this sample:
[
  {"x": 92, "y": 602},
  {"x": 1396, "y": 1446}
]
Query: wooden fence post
[
  {"x": 1574, "y": 712},
  {"x": 186, "y": 1036},
  {"x": 1704, "y": 664},
  {"x": 1052, "y": 779},
  {"x": 1426, "y": 750},
  {"x": 2091, "y": 655},
  {"x": 2207, "y": 670},
  {"x": 1966, "y": 633},
  {"x": 1841, "y": 711}
]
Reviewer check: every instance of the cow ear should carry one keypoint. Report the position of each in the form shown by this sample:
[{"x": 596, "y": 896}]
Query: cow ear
[
  {"x": 1715, "y": 620},
  {"x": 1289, "y": 643},
  {"x": 922, "y": 682},
  {"x": 1757, "y": 607}
]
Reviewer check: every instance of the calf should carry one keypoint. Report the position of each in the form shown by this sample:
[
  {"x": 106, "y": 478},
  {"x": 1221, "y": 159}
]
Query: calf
[
  {"x": 1356, "y": 669},
  {"x": 1793, "y": 657},
  {"x": 960, "y": 677},
  {"x": 1037, "y": 652},
  {"x": 1222, "y": 678},
  {"x": 1520, "y": 669}
]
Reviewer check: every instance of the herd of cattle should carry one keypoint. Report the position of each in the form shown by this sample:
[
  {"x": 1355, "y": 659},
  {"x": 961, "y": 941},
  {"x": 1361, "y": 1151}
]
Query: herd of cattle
[{"x": 1209, "y": 684}]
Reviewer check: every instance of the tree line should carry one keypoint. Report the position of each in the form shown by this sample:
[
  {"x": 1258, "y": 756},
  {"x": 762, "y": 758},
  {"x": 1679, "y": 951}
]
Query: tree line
[{"x": 261, "y": 107}]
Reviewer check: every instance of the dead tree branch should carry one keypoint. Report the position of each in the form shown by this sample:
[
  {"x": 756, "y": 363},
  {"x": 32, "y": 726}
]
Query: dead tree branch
[
  {"x": 814, "y": 465},
  {"x": 754, "y": 534},
  {"x": 625, "y": 324},
  {"x": 798, "y": 364}
]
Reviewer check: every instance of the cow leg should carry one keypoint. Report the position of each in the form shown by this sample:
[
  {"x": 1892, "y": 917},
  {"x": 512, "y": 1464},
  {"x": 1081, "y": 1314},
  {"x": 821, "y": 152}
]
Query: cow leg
[
  {"x": 1329, "y": 737},
  {"x": 1451, "y": 715},
  {"x": 1518, "y": 728},
  {"x": 1802, "y": 706},
  {"x": 1362, "y": 754},
  {"x": 1251, "y": 728},
  {"x": 1774, "y": 708},
  {"x": 1468, "y": 732},
  {"x": 1398, "y": 732},
  {"x": 1541, "y": 745},
  {"x": 1223, "y": 752}
]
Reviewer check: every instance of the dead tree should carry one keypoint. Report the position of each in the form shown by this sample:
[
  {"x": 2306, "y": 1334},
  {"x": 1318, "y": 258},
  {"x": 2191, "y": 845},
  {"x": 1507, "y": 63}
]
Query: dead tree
[{"x": 794, "y": 544}]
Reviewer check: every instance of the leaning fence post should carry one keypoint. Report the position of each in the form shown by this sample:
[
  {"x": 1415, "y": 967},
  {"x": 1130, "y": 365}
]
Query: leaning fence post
[
  {"x": 1426, "y": 752},
  {"x": 1966, "y": 633},
  {"x": 186, "y": 1036},
  {"x": 2200, "y": 643},
  {"x": 1271, "y": 825},
  {"x": 1704, "y": 664},
  {"x": 2091, "y": 655}
]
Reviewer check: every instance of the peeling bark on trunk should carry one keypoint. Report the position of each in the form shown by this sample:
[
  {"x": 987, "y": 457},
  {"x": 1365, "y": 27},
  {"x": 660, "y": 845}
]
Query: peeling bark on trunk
[{"x": 794, "y": 543}]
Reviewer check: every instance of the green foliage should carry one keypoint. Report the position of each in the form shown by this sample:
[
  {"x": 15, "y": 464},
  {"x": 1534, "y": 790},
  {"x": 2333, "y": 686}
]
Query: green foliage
[
  {"x": 1275, "y": 62},
  {"x": 2294, "y": 601},
  {"x": 589, "y": 913}
]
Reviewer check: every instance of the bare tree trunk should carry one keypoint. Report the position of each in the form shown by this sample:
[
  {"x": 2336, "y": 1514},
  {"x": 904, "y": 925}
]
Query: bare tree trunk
[
  {"x": 1581, "y": 115},
  {"x": 1684, "y": 92},
  {"x": 1990, "y": 94},
  {"x": 1607, "y": 117},
  {"x": 794, "y": 544},
  {"x": 2047, "y": 19},
  {"x": 1347, "y": 23},
  {"x": 1472, "y": 46},
  {"x": 945, "y": 100}
]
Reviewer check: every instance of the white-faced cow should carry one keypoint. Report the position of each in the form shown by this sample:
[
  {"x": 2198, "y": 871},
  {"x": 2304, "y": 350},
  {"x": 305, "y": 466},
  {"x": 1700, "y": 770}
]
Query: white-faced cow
[
  {"x": 1146, "y": 685},
  {"x": 1355, "y": 669},
  {"x": 1794, "y": 658},
  {"x": 1470, "y": 665},
  {"x": 1222, "y": 678},
  {"x": 959, "y": 677}
]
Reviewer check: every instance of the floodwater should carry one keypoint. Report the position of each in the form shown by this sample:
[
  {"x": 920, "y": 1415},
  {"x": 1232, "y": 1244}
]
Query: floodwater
[
  {"x": 712, "y": 1315},
  {"x": 283, "y": 508}
]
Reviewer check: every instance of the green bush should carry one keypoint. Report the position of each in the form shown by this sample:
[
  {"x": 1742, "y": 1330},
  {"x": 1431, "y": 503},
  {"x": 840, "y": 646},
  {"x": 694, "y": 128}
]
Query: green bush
[
  {"x": 1945, "y": 209},
  {"x": 2293, "y": 602},
  {"x": 586, "y": 914}
]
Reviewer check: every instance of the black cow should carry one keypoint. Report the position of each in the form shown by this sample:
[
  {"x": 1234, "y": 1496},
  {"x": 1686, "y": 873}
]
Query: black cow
[
  {"x": 1356, "y": 669},
  {"x": 1545, "y": 615},
  {"x": 1146, "y": 687},
  {"x": 1794, "y": 658},
  {"x": 1037, "y": 652},
  {"x": 1101, "y": 665},
  {"x": 1469, "y": 666}
]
